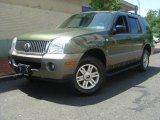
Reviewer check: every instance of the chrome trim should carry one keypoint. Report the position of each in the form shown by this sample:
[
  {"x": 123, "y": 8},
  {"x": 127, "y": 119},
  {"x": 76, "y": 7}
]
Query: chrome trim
[{"x": 36, "y": 47}]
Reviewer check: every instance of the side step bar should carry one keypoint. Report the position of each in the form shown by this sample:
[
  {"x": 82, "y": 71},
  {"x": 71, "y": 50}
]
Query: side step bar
[
  {"x": 11, "y": 76},
  {"x": 122, "y": 70}
]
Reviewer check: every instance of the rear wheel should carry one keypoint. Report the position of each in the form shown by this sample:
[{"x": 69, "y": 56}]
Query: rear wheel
[
  {"x": 89, "y": 75},
  {"x": 144, "y": 61}
]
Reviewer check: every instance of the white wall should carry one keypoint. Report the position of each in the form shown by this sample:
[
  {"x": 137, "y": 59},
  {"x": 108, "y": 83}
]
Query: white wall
[
  {"x": 67, "y": 6},
  {"x": 16, "y": 20}
]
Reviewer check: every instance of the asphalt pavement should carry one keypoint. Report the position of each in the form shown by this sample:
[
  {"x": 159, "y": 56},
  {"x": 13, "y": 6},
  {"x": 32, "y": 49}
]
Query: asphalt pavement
[{"x": 130, "y": 95}]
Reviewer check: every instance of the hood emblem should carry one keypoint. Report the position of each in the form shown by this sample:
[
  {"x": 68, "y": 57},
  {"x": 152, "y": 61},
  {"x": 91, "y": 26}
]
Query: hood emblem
[{"x": 27, "y": 46}]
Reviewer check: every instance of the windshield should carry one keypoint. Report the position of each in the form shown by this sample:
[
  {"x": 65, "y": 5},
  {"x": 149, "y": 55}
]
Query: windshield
[{"x": 88, "y": 20}]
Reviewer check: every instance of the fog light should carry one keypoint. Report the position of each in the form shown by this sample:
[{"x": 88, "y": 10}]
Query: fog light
[{"x": 50, "y": 66}]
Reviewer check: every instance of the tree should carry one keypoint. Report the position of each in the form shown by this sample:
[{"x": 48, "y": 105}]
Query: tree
[
  {"x": 153, "y": 18},
  {"x": 105, "y": 4}
]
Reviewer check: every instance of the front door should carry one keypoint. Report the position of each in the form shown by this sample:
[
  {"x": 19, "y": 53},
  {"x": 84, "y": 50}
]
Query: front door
[{"x": 120, "y": 44}]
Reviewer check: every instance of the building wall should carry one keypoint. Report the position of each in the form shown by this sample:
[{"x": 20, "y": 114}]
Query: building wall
[
  {"x": 67, "y": 6},
  {"x": 22, "y": 16}
]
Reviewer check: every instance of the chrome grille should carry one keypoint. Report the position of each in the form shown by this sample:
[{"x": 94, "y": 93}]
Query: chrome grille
[{"x": 31, "y": 47}]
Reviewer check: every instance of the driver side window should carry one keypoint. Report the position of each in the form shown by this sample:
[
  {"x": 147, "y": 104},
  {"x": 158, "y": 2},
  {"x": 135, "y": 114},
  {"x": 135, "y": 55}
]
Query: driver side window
[{"x": 121, "y": 25}]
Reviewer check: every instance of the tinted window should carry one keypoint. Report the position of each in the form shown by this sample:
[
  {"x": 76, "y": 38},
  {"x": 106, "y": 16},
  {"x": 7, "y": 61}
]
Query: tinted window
[
  {"x": 121, "y": 20},
  {"x": 134, "y": 25},
  {"x": 145, "y": 24}
]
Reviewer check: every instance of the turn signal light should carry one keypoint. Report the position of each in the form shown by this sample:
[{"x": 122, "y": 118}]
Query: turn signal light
[{"x": 70, "y": 63}]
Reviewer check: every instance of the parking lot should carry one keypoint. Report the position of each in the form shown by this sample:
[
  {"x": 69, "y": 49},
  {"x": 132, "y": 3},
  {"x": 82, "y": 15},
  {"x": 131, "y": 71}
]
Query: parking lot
[{"x": 130, "y": 95}]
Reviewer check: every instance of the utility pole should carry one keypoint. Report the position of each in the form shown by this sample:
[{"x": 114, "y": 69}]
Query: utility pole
[{"x": 139, "y": 5}]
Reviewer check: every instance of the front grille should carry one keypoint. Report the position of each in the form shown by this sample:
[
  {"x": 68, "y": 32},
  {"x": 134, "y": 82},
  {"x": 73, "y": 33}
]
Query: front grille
[
  {"x": 31, "y": 47},
  {"x": 33, "y": 65}
]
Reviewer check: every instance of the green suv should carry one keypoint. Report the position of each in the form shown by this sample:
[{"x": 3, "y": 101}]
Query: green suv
[{"x": 85, "y": 49}]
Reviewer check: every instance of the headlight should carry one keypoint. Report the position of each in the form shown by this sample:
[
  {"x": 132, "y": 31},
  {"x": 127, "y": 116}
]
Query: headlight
[
  {"x": 13, "y": 44},
  {"x": 57, "y": 45}
]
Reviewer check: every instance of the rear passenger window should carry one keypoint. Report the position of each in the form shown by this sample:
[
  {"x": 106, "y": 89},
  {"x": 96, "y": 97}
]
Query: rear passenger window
[{"x": 134, "y": 25}]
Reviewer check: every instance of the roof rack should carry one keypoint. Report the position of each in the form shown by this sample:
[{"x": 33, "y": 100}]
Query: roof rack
[{"x": 129, "y": 12}]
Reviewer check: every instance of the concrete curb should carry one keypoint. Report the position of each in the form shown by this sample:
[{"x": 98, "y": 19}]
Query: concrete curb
[{"x": 12, "y": 76}]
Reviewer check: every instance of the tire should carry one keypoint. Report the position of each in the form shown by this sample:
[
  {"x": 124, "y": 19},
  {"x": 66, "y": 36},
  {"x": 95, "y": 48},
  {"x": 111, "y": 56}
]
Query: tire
[
  {"x": 89, "y": 76},
  {"x": 144, "y": 63}
]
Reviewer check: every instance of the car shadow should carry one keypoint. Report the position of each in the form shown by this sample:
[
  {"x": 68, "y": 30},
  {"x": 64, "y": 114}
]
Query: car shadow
[{"x": 62, "y": 93}]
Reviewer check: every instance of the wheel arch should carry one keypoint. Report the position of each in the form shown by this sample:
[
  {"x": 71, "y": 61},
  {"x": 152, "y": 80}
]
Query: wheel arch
[
  {"x": 148, "y": 48},
  {"x": 97, "y": 53}
]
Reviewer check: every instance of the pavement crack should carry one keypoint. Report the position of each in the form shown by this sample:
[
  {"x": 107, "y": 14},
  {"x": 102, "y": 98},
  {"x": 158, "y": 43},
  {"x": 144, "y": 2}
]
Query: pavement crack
[
  {"x": 139, "y": 100},
  {"x": 142, "y": 102}
]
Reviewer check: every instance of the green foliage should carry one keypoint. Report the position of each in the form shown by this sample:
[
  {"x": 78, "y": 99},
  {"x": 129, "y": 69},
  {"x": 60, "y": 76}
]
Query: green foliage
[
  {"x": 153, "y": 18},
  {"x": 105, "y": 4}
]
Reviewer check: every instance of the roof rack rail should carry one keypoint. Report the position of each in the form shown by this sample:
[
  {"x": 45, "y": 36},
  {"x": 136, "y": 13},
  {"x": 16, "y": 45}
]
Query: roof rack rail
[{"x": 128, "y": 12}]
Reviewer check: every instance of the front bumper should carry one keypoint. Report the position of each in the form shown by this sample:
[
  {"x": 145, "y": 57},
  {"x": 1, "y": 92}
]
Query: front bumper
[{"x": 40, "y": 65}]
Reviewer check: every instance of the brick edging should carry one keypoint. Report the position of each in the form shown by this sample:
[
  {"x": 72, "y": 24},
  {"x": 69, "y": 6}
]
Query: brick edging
[{"x": 5, "y": 68}]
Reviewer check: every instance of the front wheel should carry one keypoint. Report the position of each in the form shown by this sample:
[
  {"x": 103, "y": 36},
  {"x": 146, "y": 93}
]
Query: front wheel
[
  {"x": 89, "y": 75},
  {"x": 144, "y": 61}
]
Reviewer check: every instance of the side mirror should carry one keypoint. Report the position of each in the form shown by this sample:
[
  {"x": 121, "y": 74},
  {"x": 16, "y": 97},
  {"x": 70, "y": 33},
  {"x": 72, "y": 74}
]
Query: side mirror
[{"x": 119, "y": 29}]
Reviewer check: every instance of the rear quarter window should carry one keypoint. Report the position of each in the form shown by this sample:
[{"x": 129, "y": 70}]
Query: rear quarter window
[{"x": 145, "y": 24}]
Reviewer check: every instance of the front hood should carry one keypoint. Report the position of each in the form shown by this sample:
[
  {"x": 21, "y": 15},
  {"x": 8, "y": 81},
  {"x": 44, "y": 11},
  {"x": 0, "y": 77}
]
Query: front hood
[{"x": 49, "y": 35}]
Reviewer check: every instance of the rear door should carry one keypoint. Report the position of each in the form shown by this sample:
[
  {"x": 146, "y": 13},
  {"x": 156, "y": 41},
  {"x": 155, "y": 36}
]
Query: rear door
[{"x": 136, "y": 36}]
